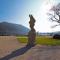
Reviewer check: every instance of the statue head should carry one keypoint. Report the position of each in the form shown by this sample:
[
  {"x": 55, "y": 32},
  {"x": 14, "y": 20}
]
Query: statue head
[
  {"x": 32, "y": 22},
  {"x": 30, "y": 15}
]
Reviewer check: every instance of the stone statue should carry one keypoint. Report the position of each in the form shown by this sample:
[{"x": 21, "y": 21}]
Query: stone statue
[{"x": 32, "y": 32}]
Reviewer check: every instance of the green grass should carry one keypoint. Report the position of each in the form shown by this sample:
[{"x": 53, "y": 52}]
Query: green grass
[{"x": 40, "y": 40}]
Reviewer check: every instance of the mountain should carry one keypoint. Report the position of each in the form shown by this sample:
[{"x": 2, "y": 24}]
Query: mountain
[{"x": 12, "y": 29}]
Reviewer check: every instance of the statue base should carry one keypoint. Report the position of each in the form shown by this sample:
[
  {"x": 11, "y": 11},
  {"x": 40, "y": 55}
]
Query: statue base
[{"x": 31, "y": 38}]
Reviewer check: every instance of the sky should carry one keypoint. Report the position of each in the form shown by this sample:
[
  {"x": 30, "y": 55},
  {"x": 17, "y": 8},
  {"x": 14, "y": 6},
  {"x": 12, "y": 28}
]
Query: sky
[{"x": 17, "y": 11}]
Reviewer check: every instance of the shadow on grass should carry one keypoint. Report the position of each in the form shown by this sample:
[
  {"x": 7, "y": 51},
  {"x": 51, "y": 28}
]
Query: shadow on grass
[{"x": 16, "y": 53}]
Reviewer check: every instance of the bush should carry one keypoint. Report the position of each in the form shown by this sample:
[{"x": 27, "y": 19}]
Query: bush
[{"x": 56, "y": 36}]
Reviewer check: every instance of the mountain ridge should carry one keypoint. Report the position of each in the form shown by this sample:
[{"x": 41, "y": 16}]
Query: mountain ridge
[{"x": 7, "y": 28}]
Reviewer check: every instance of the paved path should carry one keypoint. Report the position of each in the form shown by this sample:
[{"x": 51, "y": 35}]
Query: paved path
[{"x": 11, "y": 49}]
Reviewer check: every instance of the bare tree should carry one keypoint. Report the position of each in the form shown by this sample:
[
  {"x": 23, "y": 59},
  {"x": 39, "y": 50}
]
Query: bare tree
[{"x": 55, "y": 14}]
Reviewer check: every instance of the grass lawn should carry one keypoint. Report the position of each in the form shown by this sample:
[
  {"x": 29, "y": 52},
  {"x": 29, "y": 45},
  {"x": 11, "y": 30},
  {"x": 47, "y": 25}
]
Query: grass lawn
[{"x": 40, "y": 40}]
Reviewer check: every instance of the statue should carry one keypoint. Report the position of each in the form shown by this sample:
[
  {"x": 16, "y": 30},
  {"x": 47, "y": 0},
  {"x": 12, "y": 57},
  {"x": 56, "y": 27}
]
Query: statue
[{"x": 32, "y": 32}]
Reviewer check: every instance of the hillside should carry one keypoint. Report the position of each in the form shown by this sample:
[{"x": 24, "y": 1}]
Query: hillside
[{"x": 12, "y": 29}]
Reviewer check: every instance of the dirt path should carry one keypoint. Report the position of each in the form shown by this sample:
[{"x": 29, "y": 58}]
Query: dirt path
[
  {"x": 8, "y": 44},
  {"x": 11, "y": 49},
  {"x": 41, "y": 53}
]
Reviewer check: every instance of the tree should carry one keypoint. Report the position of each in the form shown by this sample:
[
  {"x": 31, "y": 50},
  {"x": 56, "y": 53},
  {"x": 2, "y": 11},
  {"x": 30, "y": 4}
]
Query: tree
[{"x": 55, "y": 14}]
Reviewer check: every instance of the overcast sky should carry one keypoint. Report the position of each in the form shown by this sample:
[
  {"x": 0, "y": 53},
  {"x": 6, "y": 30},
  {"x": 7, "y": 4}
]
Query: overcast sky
[{"x": 17, "y": 11}]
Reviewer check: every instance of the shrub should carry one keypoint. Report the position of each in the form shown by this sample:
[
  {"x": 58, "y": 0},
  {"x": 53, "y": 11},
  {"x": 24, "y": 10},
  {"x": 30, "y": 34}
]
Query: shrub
[{"x": 56, "y": 36}]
